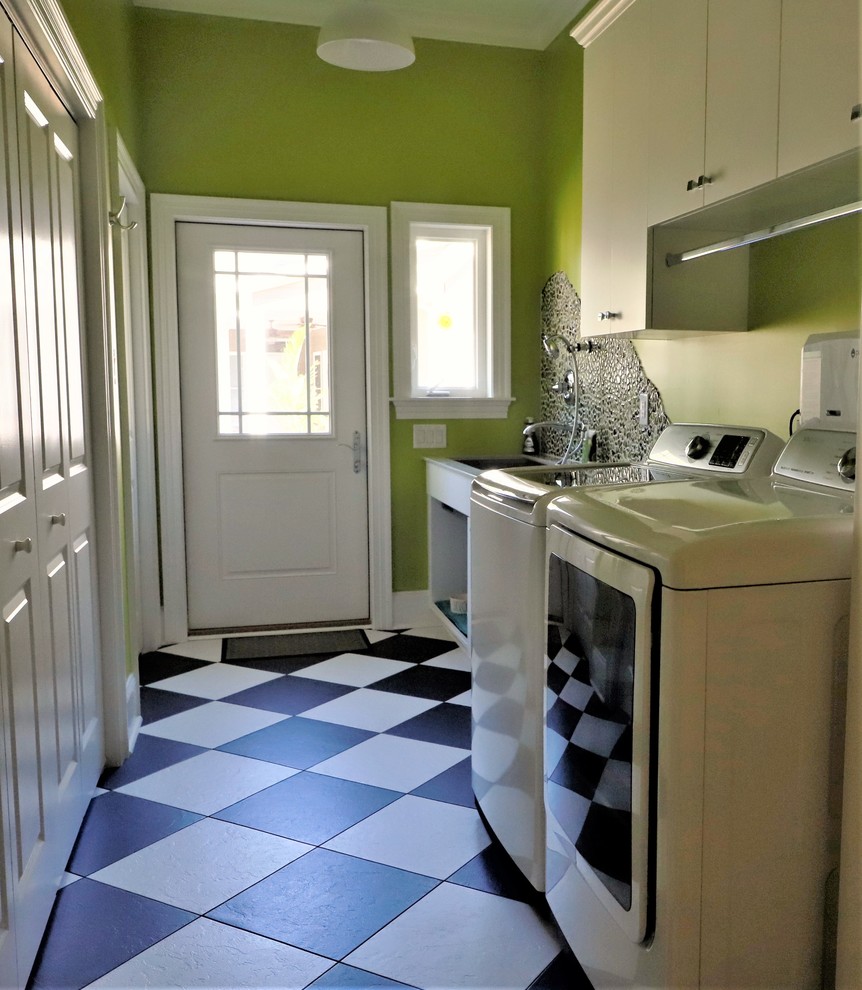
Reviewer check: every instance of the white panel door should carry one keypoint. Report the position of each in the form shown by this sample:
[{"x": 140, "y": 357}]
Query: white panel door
[
  {"x": 49, "y": 674},
  {"x": 272, "y": 377}
]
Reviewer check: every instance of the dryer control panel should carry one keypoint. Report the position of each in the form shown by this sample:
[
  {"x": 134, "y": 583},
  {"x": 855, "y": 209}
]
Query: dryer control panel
[{"x": 710, "y": 449}]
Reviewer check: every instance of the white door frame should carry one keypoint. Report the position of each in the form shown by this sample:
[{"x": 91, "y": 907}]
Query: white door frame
[
  {"x": 44, "y": 27},
  {"x": 165, "y": 212}
]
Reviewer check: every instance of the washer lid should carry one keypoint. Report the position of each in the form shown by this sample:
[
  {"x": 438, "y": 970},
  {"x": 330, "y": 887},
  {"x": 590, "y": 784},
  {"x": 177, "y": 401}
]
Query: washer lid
[{"x": 718, "y": 534}]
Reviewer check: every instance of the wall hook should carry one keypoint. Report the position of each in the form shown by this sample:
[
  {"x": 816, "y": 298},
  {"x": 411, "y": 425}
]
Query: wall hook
[{"x": 114, "y": 218}]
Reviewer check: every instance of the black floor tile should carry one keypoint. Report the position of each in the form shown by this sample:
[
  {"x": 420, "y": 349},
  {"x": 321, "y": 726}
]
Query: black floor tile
[
  {"x": 94, "y": 928},
  {"x": 447, "y": 724},
  {"x": 454, "y": 786},
  {"x": 343, "y": 977},
  {"x": 415, "y": 649},
  {"x": 157, "y": 704},
  {"x": 297, "y": 742},
  {"x": 309, "y": 807},
  {"x": 117, "y": 825},
  {"x": 564, "y": 973},
  {"x": 157, "y": 666},
  {"x": 493, "y": 871},
  {"x": 289, "y": 695},
  {"x": 435, "y": 683},
  {"x": 151, "y": 753}
]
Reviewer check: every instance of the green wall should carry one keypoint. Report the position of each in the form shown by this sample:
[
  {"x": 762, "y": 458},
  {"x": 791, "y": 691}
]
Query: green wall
[
  {"x": 104, "y": 30},
  {"x": 216, "y": 106},
  {"x": 246, "y": 109}
]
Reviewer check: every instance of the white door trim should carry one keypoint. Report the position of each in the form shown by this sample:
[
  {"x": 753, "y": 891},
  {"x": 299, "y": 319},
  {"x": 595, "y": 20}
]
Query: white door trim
[{"x": 165, "y": 212}]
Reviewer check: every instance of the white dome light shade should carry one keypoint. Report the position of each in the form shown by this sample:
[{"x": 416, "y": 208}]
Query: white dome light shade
[{"x": 365, "y": 38}]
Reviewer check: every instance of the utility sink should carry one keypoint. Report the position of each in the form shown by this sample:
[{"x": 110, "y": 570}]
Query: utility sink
[{"x": 492, "y": 463}]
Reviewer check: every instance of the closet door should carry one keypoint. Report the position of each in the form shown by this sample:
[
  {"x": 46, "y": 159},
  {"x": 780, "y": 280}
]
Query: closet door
[
  {"x": 51, "y": 697},
  {"x": 22, "y": 804}
]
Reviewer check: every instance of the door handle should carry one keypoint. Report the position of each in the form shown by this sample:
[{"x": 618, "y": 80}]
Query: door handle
[
  {"x": 22, "y": 546},
  {"x": 357, "y": 452}
]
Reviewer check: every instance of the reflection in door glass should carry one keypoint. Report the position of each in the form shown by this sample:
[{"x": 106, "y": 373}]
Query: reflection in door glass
[{"x": 272, "y": 343}]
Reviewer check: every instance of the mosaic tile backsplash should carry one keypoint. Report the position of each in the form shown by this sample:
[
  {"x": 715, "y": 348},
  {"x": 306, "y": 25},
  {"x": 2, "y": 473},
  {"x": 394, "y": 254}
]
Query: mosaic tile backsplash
[{"x": 611, "y": 381}]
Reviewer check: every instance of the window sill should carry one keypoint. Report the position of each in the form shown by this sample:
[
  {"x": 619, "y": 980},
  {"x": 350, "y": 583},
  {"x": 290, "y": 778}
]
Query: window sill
[{"x": 445, "y": 407}]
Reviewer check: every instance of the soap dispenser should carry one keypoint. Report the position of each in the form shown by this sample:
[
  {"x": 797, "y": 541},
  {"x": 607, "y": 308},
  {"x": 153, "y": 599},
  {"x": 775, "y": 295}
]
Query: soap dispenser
[{"x": 529, "y": 446}]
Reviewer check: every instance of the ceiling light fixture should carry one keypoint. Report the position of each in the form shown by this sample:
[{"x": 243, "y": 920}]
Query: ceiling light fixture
[{"x": 366, "y": 38}]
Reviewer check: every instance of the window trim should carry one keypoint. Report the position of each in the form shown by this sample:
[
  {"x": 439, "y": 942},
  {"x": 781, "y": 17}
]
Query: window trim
[{"x": 496, "y": 404}]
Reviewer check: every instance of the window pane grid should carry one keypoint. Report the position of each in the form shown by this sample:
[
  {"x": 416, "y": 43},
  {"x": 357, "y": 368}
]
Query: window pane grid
[{"x": 272, "y": 333}]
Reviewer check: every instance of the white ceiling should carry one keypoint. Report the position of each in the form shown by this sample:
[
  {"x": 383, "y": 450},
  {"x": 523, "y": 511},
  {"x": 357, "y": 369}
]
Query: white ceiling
[{"x": 512, "y": 23}]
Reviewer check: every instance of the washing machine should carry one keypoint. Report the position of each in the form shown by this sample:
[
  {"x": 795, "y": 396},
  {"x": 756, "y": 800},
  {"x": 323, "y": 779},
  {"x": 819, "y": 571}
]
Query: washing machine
[
  {"x": 507, "y": 579},
  {"x": 696, "y": 637}
]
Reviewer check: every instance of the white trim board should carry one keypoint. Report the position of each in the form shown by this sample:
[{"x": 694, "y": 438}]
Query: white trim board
[{"x": 165, "y": 212}]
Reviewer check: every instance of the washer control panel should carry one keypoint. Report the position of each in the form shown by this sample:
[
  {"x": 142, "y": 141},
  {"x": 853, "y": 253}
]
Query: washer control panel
[
  {"x": 736, "y": 450},
  {"x": 820, "y": 457}
]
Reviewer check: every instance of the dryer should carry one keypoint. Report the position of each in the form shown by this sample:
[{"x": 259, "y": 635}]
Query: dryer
[
  {"x": 507, "y": 580},
  {"x": 696, "y": 648}
]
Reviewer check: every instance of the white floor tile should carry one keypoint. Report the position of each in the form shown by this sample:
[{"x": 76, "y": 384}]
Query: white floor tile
[
  {"x": 457, "y": 659},
  {"x": 366, "y": 708},
  {"x": 207, "y": 954},
  {"x": 202, "y": 865},
  {"x": 196, "y": 649},
  {"x": 208, "y": 783},
  {"x": 353, "y": 669},
  {"x": 397, "y": 764},
  {"x": 217, "y": 681},
  {"x": 428, "y": 837},
  {"x": 462, "y": 699},
  {"x": 460, "y": 937},
  {"x": 213, "y": 724},
  {"x": 377, "y": 635}
]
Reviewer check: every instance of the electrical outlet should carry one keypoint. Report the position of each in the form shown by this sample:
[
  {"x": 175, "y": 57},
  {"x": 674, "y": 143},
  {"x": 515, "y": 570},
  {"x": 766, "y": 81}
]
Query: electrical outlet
[
  {"x": 643, "y": 409},
  {"x": 429, "y": 435}
]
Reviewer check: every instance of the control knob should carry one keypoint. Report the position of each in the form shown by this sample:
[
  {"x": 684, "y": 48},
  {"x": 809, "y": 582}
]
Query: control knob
[
  {"x": 697, "y": 447},
  {"x": 847, "y": 465}
]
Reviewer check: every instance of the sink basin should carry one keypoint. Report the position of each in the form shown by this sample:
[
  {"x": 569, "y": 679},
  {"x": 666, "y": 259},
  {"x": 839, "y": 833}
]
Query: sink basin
[{"x": 504, "y": 461}]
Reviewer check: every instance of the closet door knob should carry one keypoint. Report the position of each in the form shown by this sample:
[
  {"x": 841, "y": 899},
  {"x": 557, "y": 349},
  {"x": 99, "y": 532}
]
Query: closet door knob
[
  {"x": 23, "y": 546},
  {"x": 58, "y": 519},
  {"x": 856, "y": 112},
  {"x": 698, "y": 183}
]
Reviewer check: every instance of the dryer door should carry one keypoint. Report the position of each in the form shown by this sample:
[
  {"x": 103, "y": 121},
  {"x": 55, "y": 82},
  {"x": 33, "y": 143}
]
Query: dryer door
[{"x": 598, "y": 749}]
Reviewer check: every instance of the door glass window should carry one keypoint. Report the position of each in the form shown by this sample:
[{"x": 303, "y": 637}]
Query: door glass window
[
  {"x": 272, "y": 343},
  {"x": 590, "y": 679}
]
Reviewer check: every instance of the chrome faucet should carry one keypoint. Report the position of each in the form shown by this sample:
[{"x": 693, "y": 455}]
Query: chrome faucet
[{"x": 531, "y": 428}]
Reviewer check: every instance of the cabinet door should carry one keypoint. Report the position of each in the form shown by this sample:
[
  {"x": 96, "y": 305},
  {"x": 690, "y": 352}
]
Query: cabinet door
[
  {"x": 677, "y": 107},
  {"x": 819, "y": 82},
  {"x": 628, "y": 300},
  {"x": 742, "y": 95},
  {"x": 597, "y": 182},
  {"x": 614, "y": 256}
]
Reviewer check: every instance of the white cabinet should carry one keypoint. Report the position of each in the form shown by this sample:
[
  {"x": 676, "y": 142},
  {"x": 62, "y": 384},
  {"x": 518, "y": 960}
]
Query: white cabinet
[
  {"x": 614, "y": 249},
  {"x": 713, "y": 106},
  {"x": 820, "y": 83},
  {"x": 448, "y": 486},
  {"x": 741, "y": 96}
]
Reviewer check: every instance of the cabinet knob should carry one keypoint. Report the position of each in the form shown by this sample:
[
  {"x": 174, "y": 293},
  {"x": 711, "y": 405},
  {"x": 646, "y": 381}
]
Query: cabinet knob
[
  {"x": 23, "y": 546},
  {"x": 608, "y": 315},
  {"x": 856, "y": 112},
  {"x": 58, "y": 519}
]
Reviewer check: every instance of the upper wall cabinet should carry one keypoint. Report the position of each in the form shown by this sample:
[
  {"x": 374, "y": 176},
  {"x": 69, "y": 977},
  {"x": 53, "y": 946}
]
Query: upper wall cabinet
[
  {"x": 614, "y": 250},
  {"x": 713, "y": 101},
  {"x": 819, "y": 109},
  {"x": 692, "y": 110}
]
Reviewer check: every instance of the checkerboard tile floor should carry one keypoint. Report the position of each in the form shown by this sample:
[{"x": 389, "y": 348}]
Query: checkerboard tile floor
[{"x": 299, "y": 822}]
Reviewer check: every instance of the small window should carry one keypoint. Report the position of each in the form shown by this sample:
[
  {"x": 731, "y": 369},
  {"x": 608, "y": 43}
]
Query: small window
[{"x": 450, "y": 285}]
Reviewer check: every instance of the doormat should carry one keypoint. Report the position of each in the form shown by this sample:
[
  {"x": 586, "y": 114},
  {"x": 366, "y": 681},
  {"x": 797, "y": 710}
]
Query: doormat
[{"x": 295, "y": 644}]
